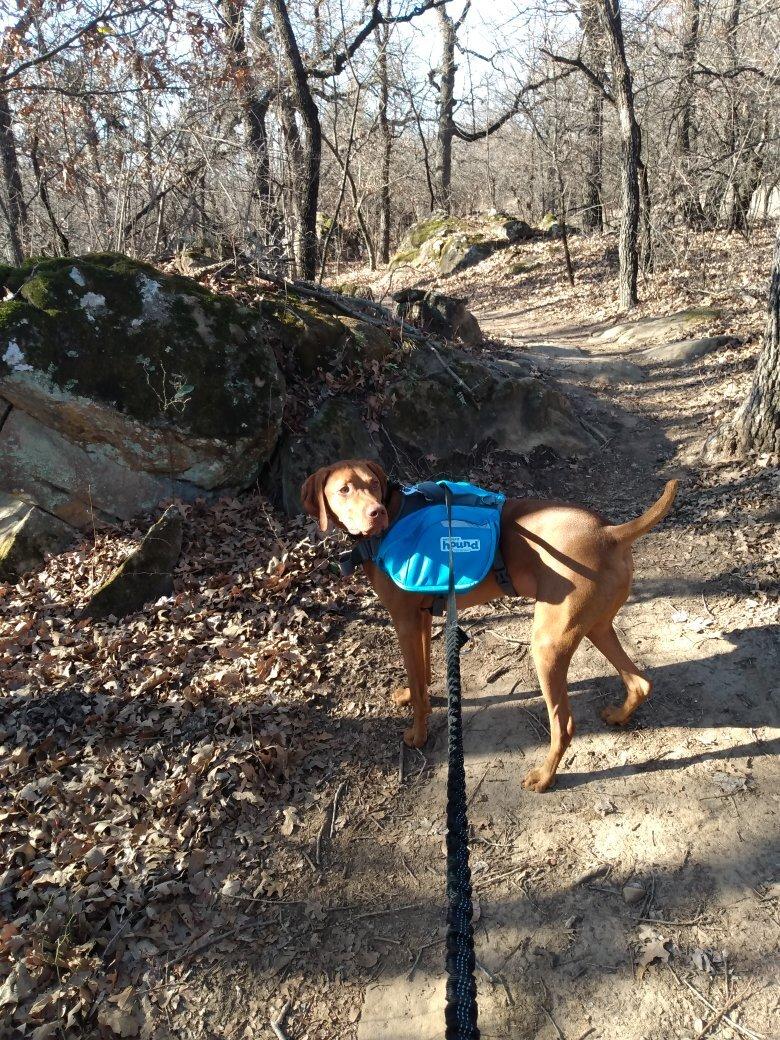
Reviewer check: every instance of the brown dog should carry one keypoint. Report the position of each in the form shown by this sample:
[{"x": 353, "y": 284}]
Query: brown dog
[{"x": 575, "y": 565}]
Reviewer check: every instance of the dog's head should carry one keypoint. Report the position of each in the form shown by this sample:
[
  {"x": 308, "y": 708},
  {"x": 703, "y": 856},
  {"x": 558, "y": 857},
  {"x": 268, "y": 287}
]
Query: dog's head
[{"x": 352, "y": 493}]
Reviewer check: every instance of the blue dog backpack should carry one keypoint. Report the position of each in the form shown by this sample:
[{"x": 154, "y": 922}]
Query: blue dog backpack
[{"x": 415, "y": 550}]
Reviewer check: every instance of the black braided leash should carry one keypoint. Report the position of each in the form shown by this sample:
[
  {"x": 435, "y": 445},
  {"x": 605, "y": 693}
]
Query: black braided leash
[{"x": 460, "y": 1011}]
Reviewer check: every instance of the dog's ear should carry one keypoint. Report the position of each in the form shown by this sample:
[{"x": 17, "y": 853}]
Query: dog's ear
[
  {"x": 380, "y": 475},
  {"x": 313, "y": 496}
]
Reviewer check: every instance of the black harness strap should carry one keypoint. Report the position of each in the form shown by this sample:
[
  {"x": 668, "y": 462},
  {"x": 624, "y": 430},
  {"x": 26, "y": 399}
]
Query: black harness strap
[{"x": 460, "y": 1011}]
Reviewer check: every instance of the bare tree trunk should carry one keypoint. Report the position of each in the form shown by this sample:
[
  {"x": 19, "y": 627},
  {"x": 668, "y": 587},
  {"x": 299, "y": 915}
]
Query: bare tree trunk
[
  {"x": 630, "y": 149},
  {"x": 756, "y": 426},
  {"x": 16, "y": 206},
  {"x": 562, "y": 208},
  {"x": 43, "y": 191},
  {"x": 254, "y": 102},
  {"x": 445, "y": 131},
  {"x": 646, "y": 228},
  {"x": 308, "y": 177},
  {"x": 686, "y": 199},
  {"x": 383, "y": 38},
  {"x": 593, "y": 210},
  {"x": 746, "y": 136}
]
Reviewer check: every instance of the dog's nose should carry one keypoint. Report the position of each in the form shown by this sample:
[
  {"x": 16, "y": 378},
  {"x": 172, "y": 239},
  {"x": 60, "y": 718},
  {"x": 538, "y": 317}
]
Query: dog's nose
[{"x": 376, "y": 511}]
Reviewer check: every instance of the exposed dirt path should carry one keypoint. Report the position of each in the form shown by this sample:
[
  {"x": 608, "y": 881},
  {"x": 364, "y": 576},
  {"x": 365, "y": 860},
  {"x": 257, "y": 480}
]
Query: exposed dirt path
[{"x": 683, "y": 803}]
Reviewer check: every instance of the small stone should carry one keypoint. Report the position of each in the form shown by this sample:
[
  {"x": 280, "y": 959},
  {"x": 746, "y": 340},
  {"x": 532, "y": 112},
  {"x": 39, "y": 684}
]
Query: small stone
[{"x": 634, "y": 892}]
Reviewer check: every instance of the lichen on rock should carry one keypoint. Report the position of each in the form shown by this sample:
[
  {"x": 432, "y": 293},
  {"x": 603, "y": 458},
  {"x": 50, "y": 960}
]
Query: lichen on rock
[{"x": 141, "y": 371}]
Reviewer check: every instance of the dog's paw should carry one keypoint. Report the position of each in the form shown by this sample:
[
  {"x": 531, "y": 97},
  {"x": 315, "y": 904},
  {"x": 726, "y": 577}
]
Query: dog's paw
[
  {"x": 538, "y": 780},
  {"x": 401, "y": 696},
  {"x": 415, "y": 739},
  {"x": 615, "y": 715}
]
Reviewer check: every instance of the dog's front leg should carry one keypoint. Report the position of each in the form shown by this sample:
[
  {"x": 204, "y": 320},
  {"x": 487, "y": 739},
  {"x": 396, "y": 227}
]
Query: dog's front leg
[{"x": 411, "y": 631}]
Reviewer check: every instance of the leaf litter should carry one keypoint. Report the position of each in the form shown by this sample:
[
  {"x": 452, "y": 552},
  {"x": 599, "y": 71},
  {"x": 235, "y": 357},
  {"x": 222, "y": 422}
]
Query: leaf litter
[{"x": 160, "y": 777}]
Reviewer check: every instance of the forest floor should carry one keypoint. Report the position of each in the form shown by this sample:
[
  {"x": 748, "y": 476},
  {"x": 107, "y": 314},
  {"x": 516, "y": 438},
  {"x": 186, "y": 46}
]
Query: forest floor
[{"x": 210, "y": 821}]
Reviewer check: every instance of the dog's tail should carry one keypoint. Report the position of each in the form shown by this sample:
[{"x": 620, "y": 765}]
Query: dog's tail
[{"x": 627, "y": 533}]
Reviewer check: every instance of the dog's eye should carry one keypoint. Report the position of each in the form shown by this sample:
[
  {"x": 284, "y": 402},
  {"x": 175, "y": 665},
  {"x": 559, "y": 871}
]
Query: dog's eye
[
  {"x": 374, "y": 483},
  {"x": 344, "y": 490}
]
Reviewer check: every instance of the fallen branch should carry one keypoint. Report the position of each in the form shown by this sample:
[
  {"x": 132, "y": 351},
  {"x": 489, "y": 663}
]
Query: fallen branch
[{"x": 277, "y": 1023}]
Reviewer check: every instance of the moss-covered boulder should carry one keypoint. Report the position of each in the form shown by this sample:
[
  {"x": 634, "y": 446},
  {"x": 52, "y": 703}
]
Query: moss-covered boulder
[
  {"x": 448, "y": 405},
  {"x": 129, "y": 386},
  {"x": 452, "y": 244},
  {"x": 146, "y": 574},
  {"x": 27, "y": 537},
  {"x": 337, "y": 430}
]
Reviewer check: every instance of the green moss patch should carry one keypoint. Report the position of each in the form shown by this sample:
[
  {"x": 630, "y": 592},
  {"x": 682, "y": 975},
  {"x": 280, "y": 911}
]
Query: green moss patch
[{"x": 159, "y": 349}]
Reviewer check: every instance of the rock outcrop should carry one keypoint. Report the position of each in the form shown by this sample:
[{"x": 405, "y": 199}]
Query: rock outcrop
[
  {"x": 146, "y": 574},
  {"x": 453, "y": 244},
  {"x": 27, "y": 536},
  {"x": 444, "y": 316},
  {"x": 659, "y": 330},
  {"x": 448, "y": 405},
  {"x": 128, "y": 387}
]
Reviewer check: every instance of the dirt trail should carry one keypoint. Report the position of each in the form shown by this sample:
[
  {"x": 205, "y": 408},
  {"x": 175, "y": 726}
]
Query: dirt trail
[{"x": 683, "y": 802}]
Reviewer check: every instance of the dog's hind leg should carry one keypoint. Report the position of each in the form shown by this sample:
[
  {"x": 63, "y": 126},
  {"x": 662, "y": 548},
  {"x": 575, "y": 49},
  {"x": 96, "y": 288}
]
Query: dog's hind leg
[
  {"x": 638, "y": 686},
  {"x": 552, "y": 646}
]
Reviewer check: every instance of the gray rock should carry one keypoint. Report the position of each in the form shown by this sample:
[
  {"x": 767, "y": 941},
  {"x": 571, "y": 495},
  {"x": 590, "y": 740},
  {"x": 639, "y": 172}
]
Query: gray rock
[
  {"x": 444, "y": 316},
  {"x": 685, "y": 350},
  {"x": 336, "y": 431},
  {"x": 146, "y": 574},
  {"x": 652, "y": 331},
  {"x": 458, "y": 254},
  {"x": 28, "y": 536},
  {"x": 448, "y": 406},
  {"x": 81, "y": 483},
  {"x": 453, "y": 244},
  {"x": 139, "y": 370}
]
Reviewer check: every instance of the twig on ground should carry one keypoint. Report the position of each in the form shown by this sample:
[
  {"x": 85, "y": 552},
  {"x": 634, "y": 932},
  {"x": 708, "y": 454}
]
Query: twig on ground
[
  {"x": 389, "y": 910},
  {"x": 474, "y": 792},
  {"x": 507, "y": 639},
  {"x": 277, "y": 1023},
  {"x": 743, "y": 1030},
  {"x": 538, "y": 726},
  {"x": 673, "y": 924},
  {"x": 420, "y": 952},
  {"x": 716, "y": 1018},
  {"x": 206, "y": 942},
  {"x": 401, "y": 763},
  {"x": 335, "y": 809},
  {"x": 484, "y": 882},
  {"x": 557, "y": 1028},
  {"x": 501, "y": 670},
  {"x": 486, "y": 972}
]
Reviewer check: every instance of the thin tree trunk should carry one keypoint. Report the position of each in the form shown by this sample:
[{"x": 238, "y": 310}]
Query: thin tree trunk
[
  {"x": 445, "y": 131},
  {"x": 254, "y": 103},
  {"x": 16, "y": 206},
  {"x": 43, "y": 191},
  {"x": 756, "y": 426},
  {"x": 309, "y": 175},
  {"x": 383, "y": 39},
  {"x": 646, "y": 228},
  {"x": 684, "y": 188},
  {"x": 593, "y": 209},
  {"x": 563, "y": 226},
  {"x": 630, "y": 149}
]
